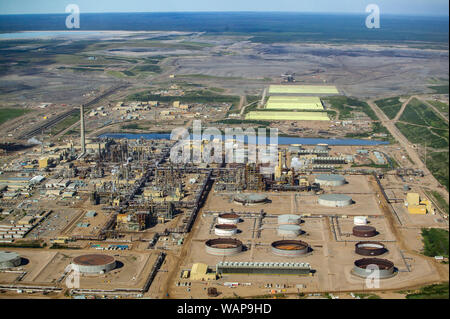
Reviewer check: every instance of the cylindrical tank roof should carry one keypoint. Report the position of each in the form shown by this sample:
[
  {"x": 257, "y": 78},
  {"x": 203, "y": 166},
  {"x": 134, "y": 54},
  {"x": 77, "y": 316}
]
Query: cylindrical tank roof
[
  {"x": 289, "y": 230},
  {"x": 330, "y": 178},
  {"x": 289, "y": 219},
  {"x": 335, "y": 200},
  {"x": 370, "y": 248},
  {"x": 9, "y": 259},
  {"x": 364, "y": 231},
  {"x": 366, "y": 266}
]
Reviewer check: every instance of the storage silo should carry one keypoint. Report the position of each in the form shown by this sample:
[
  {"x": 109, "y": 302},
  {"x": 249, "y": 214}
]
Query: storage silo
[
  {"x": 335, "y": 200},
  {"x": 289, "y": 230},
  {"x": 9, "y": 259}
]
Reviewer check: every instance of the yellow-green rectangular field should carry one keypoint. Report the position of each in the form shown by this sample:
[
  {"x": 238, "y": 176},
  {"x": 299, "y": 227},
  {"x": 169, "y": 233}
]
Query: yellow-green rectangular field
[
  {"x": 294, "y": 103},
  {"x": 303, "y": 89},
  {"x": 287, "y": 116}
]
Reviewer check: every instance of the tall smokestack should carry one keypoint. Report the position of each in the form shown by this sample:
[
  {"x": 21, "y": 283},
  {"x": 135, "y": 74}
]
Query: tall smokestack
[{"x": 82, "y": 137}]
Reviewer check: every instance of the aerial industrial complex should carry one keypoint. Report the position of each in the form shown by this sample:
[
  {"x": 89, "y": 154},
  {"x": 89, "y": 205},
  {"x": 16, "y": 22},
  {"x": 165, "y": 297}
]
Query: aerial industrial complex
[{"x": 121, "y": 194}]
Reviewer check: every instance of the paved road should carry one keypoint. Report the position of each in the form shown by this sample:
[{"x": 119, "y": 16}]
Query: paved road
[{"x": 403, "y": 141}]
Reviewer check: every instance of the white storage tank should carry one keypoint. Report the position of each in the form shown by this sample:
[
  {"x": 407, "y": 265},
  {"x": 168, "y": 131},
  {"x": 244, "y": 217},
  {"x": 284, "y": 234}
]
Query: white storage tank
[
  {"x": 225, "y": 230},
  {"x": 289, "y": 230},
  {"x": 289, "y": 219},
  {"x": 360, "y": 220}
]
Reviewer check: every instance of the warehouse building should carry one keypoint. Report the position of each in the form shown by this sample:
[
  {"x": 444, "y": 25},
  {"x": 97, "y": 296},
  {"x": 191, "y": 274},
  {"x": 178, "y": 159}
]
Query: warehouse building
[
  {"x": 287, "y": 116},
  {"x": 263, "y": 268}
]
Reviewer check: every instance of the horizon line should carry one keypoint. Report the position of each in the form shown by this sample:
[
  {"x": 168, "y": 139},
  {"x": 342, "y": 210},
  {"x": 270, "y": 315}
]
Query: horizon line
[{"x": 446, "y": 15}]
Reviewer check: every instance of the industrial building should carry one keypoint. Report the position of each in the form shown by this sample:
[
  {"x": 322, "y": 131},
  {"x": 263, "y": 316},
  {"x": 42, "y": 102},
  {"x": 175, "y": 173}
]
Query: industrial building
[
  {"x": 9, "y": 260},
  {"x": 93, "y": 264},
  {"x": 201, "y": 272},
  {"x": 263, "y": 268},
  {"x": 416, "y": 205}
]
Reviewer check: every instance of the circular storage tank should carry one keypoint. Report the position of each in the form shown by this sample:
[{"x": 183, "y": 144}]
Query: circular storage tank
[
  {"x": 228, "y": 218},
  {"x": 364, "y": 231},
  {"x": 335, "y": 200},
  {"x": 360, "y": 220},
  {"x": 289, "y": 230},
  {"x": 223, "y": 246},
  {"x": 289, "y": 219},
  {"x": 370, "y": 248},
  {"x": 364, "y": 267},
  {"x": 9, "y": 259},
  {"x": 330, "y": 180},
  {"x": 93, "y": 264},
  {"x": 289, "y": 248},
  {"x": 225, "y": 230},
  {"x": 250, "y": 199}
]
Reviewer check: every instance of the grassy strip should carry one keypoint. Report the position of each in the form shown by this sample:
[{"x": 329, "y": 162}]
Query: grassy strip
[
  {"x": 439, "y": 89},
  {"x": 439, "y": 291},
  {"x": 442, "y": 203},
  {"x": 435, "y": 242},
  {"x": 65, "y": 124},
  {"x": 437, "y": 163},
  {"x": 390, "y": 106},
  {"x": 9, "y": 114}
]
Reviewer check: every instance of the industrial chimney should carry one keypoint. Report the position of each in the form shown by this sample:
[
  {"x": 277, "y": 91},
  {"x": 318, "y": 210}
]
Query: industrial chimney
[{"x": 82, "y": 137}]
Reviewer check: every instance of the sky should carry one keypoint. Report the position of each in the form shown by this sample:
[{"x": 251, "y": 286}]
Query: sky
[{"x": 402, "y": 7}]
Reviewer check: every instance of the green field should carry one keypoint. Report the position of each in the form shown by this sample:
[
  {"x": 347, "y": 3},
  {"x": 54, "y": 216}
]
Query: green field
[
  {"x": 303, "y": 89},
  {"x": 422, "y": 135},
  {"x": 435, "y": 242},
  {"x": 9, "y": 114},
  {"x": 346, "y": 105},
  {"x": 437, "y": 163},
  {"x": 439, "y": 291},
  {"x": 441, "y": 106},
  {"x": 287, "y": 116},
  {"x": 390, "y": 106},
  {"x": 416, "y": 112},
  {"x": 440, "y": 89}
]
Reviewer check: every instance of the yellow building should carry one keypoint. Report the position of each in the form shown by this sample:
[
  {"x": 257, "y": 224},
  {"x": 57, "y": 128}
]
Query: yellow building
[
  {"x": 122, "y": 219},
  {"x": 201, "y": 272},
  {"x": 417, "y": 206},
  {"x": 176, "y": 104},
  {"x": 43, "y": 162}
]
